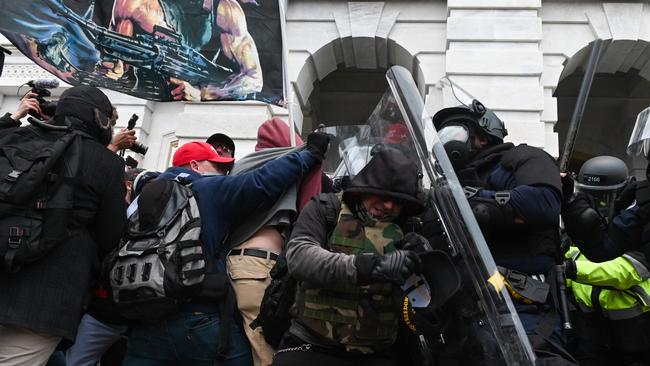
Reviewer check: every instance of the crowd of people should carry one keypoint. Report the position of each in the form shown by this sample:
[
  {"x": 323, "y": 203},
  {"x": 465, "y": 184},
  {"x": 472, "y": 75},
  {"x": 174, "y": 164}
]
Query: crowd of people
[{"x": 180, "y": 267}]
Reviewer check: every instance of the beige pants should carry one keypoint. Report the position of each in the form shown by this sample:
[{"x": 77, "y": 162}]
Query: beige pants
[
  {"x": 20, "y": 346},
  {"x": 250, "y": 277}
]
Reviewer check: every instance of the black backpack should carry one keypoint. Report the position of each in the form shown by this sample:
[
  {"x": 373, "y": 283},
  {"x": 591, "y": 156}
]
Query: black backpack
[
  {"x": 280, "y": 295},
  {"x": 38, "y": 172},
  {"x": 160, "y": 261}
]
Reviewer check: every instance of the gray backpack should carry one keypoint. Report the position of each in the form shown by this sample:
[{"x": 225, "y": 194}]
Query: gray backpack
[{"x": 160, "y": 262}]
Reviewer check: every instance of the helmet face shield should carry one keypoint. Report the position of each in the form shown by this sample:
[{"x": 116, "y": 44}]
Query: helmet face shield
[
  {"x": 454, "y": 133},
  {"x": 457, "y": 140},
  {"x": 604, "y": 199},
  {"x": 640, "y": 138}
]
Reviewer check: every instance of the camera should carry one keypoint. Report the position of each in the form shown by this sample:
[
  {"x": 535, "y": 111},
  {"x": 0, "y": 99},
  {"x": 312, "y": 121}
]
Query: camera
[
  {"x": 137, "y": 147},
  {"x": 40, "y": 88}
]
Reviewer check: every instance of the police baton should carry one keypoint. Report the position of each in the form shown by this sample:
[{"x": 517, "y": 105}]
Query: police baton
[{"x": 560, "y": 278}]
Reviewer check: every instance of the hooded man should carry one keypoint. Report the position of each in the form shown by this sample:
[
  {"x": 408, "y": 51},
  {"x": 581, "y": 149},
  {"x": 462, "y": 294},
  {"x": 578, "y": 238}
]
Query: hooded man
[
  {"x": 43, "y": 302},
  {"x": 343, "y": 253}
]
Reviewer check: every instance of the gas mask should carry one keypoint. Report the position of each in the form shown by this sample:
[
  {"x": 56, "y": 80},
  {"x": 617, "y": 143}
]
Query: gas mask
[{"x": 457, "y": 142}]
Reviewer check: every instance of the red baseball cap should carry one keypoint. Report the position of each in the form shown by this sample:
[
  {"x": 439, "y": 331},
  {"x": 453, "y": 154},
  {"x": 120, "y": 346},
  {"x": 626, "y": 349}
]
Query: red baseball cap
[{"x": 198, "y": 151}]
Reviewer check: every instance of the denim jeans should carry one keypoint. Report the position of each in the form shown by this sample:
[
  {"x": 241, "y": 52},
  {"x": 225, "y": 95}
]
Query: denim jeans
[
  {"x": 94, "y": 338},
  {"x": 188, "y": 338}
]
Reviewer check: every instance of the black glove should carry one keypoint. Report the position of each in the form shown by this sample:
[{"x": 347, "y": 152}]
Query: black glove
[
  {"x": 581, "y": 220},
  {"x": 570, "y": 269},
  {"x": 317, "y": 143},
  {"x": 568, "y": 184},
  {"x": 396, "y": 267},
  {"x": 492, "y": 216},
  {"x": 642, "y": 196},
  {"x": 626, "y": 197},
  {"x": 414, "y": 242}
]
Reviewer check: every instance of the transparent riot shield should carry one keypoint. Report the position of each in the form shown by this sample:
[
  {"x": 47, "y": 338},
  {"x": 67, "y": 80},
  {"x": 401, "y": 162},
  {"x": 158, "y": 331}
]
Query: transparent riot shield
[
  {"x": 487, "y": 311},
  {"x": 487, "y": 328}
]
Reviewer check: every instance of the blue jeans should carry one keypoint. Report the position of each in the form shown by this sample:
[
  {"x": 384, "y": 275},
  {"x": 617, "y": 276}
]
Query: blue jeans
[
  {"x": 188, "y": 338},
  {"x": 94, "y": 338}
]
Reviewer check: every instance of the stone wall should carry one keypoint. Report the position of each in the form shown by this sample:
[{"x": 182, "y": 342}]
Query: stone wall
[{"x": 507, "y": 53}]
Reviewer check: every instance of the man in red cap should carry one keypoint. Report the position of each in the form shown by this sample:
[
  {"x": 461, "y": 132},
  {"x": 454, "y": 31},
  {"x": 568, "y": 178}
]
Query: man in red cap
[
  {"x": 223, "y": 201},
  {"x": 201, "y": 158}
]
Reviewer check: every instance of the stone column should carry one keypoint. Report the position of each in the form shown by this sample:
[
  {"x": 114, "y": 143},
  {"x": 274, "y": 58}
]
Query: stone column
[{"x": 493, "y": 53}]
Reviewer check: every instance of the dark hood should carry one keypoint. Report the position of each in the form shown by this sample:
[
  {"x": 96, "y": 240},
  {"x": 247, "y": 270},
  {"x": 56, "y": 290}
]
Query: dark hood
[
  {"x": 274, "y": 133},
  {"x": 78, "y": 104},
  {"x": 390, "y": 173}
]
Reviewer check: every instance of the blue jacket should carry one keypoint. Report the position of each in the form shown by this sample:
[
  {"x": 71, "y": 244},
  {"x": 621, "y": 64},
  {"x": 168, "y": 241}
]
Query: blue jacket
[
  {"x": 225, "y": 200},
  {"x": 536, "y": 205}
]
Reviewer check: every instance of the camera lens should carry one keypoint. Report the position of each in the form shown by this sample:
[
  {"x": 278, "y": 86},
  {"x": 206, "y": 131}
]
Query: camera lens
[
  {"x": 139, "y": 148},
  {"x": 48, "y": 108}
]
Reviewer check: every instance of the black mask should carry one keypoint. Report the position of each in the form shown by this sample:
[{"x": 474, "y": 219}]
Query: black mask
[
  {"x": 459, "y": 154},
  {"x": 457, "y": 143}
]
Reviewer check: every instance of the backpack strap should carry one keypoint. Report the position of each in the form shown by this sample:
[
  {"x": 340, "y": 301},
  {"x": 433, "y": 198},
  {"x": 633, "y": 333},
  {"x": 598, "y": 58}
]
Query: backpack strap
[{"x": 330, "y": 206}]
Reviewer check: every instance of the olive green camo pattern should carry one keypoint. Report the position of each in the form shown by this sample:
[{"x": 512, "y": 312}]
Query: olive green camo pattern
[{"x": 363, "y": 318}]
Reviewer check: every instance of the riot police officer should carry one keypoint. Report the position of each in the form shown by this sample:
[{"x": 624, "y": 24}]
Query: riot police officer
[
  {"x": 588, "y": 212},
  {"x": 629, "y": 228},
  {"x": 515, "y": 194},
  {"x": 612, "y": 323}
]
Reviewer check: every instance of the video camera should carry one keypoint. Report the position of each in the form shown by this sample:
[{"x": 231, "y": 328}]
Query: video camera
[
  {"x": 40, "y": 88},
  {"x": 137, "y": 147}
]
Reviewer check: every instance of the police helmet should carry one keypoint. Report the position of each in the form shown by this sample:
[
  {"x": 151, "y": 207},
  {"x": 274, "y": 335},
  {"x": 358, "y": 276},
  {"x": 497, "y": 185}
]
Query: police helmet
[
  {"x": 477, "y": 115},
  {"x": 602, "y": 178},
  {"x": 602, "y": 173}
]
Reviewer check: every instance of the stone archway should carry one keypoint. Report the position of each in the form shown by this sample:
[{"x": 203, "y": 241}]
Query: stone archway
[
  {"x": 343, "y": 90},
  {"x": 620, "y": 90},
  {"x": 348, "y": 93},
  {"x": 339, "y": 76}
]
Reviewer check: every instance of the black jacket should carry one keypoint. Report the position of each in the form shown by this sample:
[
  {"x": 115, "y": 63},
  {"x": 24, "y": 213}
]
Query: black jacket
[
  {"x": 512, "y": 166},
  {"x": 6, "y": 121},
  {"x": 48, "y": 296}
]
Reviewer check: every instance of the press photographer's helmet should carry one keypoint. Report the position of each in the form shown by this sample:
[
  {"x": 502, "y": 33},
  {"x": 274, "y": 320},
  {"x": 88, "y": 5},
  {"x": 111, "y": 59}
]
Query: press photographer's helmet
[
  {"x": 602, "y": 177},
  {"x": 457, "y": 127}
]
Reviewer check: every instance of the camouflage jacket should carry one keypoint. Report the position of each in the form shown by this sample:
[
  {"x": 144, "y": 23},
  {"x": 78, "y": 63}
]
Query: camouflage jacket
[{"x": 331, "y": 308}]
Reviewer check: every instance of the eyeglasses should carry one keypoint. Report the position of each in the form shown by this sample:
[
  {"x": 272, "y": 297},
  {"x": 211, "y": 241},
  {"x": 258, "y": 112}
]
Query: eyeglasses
[{"x": 223, "y": 150}]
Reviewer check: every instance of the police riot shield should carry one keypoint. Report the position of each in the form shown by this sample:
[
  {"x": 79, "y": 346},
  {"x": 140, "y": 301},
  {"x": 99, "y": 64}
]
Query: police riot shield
[
  {"x": 483, "y": 287},
  {"x": 486, "y": 328}
]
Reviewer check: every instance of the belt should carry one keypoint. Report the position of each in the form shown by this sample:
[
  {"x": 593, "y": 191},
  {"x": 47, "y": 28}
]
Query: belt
[{"x": 259, "y": 253}]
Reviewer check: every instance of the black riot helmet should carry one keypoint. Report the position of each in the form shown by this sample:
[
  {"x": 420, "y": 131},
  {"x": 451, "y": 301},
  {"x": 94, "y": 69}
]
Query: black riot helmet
[
  {"x": 457, "y": 127},
  {"x": 602, "y": 177}
]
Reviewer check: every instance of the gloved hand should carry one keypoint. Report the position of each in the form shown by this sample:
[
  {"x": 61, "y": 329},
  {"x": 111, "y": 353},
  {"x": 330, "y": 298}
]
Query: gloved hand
[
  {"x": 414, "y": 242},
  {"x": 581, "y": 220},
  {"x": 642, "y": 196},
  {"x": 317, "y": 143},
  {"x": 396, "y": 267},
  {"x": 568, "y": 184},
  {"x": 570, "y": 269},
  {"x": 626, "y": 197}
]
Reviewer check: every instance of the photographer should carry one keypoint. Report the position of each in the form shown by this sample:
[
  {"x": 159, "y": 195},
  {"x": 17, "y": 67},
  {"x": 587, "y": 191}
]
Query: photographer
[
  {"x": 124, "y": 139},
  {"x": 43, "y": 302},
  {"x": 27, "y": 103}
]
